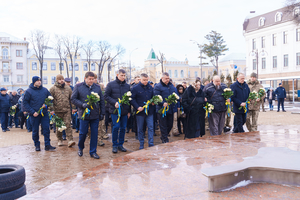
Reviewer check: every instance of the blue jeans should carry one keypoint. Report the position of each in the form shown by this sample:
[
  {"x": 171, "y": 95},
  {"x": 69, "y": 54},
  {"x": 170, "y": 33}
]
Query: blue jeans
[
  {"x": 140, "y": 129},
  {"x": 118, "y": 138},
  {"x": 29, "y": 125},
  {"x": 4, "y": 120},
  {"x": 270, "y": 104},
  {"x": 16, "y": 119},
  {"x": 35, "y": 122},
  {"x": 84, "y": 127}
]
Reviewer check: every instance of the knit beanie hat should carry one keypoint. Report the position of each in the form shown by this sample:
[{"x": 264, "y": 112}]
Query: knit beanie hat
[
  {"x": 60, "y": 77},
  {"x": 253, "y": 75},
  {"x": 35, "y": 79}
]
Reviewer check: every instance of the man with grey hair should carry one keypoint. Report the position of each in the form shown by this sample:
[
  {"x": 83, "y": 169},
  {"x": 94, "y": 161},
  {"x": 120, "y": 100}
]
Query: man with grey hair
[
  {"x": 241, "y": 93},
  {"x": 213, "y": 92},
  {"x": 165, "y": 88}
]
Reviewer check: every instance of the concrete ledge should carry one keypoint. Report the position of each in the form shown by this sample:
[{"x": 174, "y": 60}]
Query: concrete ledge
[{"x": 271, "y": 164}]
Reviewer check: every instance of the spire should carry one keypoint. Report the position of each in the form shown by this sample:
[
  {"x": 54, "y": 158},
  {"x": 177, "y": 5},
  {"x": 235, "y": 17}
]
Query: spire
[{"x": 152, "y": 55}]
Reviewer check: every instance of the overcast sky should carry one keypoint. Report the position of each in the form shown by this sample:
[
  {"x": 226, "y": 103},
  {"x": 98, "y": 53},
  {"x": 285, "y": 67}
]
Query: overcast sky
[{"x": 166, "y": 25}]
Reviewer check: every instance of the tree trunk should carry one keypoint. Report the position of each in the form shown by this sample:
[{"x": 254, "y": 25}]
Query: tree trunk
[
  {"x": 41, "y": 71},
  {"x": 217, "y": 65},
  {"x": 67, "y": 69},
  {"x": 89, "y": 66}
]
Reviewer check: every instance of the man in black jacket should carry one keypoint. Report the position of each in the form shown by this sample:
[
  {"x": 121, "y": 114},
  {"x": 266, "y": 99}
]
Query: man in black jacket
[
  {"x": 97, "y": 112},
  {"x": 114, "y": 91},
  {"x": 14, "y": 98},
  {"x": 213, "y": 92}
]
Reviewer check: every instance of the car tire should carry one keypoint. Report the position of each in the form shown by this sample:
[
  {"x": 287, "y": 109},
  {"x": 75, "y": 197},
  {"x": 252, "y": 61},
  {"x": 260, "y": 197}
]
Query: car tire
[
  {"x": 14, "y": 194},
  {"x": 12, "y": 177}
]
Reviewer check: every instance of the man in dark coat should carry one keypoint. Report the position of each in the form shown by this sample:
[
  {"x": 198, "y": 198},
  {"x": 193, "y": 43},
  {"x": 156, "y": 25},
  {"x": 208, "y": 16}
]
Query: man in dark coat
[
  {"x": 97, "y": 112},
  {"x": 34, "y": 99},
  {"x": 281, "y": 96},
  {"x": 165, "y": 88},
  {"x": 4, "y": 109},
  {"x": 114, "y": 91},
  {"x": 213, "y": 92},
  {"x": 141, "y": 93},
  {"x": 14, "y": 98},
  {"x": 241, "y": 92}
]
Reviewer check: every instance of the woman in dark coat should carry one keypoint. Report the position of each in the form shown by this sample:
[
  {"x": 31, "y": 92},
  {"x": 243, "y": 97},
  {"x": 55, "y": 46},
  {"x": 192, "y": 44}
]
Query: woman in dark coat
[
  {"x": 180, "y": 112},
  {"x": 193, "y": 101},
  {"x": 271, "y": 97}
]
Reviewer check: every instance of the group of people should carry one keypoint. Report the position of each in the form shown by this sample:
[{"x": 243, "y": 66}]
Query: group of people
[{"x": 190, "y": 111}]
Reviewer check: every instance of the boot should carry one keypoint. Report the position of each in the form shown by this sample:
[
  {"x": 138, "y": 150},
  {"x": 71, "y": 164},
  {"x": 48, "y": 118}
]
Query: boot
[
  {"x": 71, "y": 143},
  {"x": 60, "y": 143}
]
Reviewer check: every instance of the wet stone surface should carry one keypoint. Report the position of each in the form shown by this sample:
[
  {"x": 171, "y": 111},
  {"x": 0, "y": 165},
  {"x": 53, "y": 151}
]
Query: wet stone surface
[{"x": 165, "y": 171}]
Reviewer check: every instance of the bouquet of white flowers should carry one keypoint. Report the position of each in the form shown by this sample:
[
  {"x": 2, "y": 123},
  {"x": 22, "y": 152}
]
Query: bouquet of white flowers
[
  {"x": 60, "y": 124},
  {"x": 13, "y": 110},
  {"x": 125, "y": 100},
  {"x": 208, "y": 109},
  {"x": 155, "y": 100},
  {"x": 48, "y": 102},
  {"x": 171, "y": 99},
  {"x": 91, "y": 99},
  {"x": 227, "y": 94}
]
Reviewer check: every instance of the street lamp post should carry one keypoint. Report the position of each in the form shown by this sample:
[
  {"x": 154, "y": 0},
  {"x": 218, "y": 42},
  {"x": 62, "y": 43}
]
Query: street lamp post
[
  {"x": 130, "y": 62},
  {"x": 200, "y": 57}
]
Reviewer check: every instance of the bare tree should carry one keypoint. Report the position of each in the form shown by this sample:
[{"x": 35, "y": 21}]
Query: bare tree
[
  {"x": 65, "y": 58},
  {"x": 104, "y": 49},
  {"x": 72, "y": 45},
  {"x": 39, "y": 40},
  {"x": 118, "y": 51},
  {"x": 59, "y": 50},
  {"x": 89, "y": 51},
  {"x": 292, "y": 8},
  {"x": 161, "y": 59}
]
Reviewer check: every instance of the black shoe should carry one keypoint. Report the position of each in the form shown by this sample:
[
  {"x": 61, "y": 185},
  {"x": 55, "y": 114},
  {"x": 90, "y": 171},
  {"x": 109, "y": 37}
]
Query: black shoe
[
  {"x": 49, "y": 148},
  {"x": 3, "y": 130},
  {"x": 94, "y": 155},
  {"x": 37, "y": 148},
  {"x": 7, "y": 129},
  {"x": 22, "y": 128},
  {"x": 17, "y": 126},
  {"x": 77, "y": 131},
  {"x": 115, "y": 150},
  {"x": 121, "y": 148},
  {"x": 277, "y": 110},
  {"x": 9, "y": 126},
  {"x": 29, "y": 131},
  {"x": 80, "y": 152},
  {"x": 283, "y": 111},
  {"x": 226, "y": 129}
]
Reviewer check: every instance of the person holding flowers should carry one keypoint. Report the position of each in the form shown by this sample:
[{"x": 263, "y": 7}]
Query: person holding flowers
[
  {"x": 14, "y": 98},
  {"x": 115, "y": 93},
  {"x": 34, "y": 103},
  {"x": 240, "y": 95},
  {"x": 4, "y": 109},
  {"x": 254, "y": 106},
  {"x": 61, "y": 106},
  {"x": 142, "y": 95},
  {"x": 165, "y": 88},
  {"x": 214, "y": 94},
  {"x": 88, "y": 98},
  {"x": 193, "y": 102}
]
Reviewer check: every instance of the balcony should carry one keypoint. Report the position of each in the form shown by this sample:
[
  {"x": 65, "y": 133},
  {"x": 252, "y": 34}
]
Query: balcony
[
  {"x": 5, "y": 58},
  {"x": 5, "y": 71}
]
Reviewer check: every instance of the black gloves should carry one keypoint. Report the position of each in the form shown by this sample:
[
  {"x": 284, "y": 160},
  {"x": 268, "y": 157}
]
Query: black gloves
[{"x": 101, "y": 117}]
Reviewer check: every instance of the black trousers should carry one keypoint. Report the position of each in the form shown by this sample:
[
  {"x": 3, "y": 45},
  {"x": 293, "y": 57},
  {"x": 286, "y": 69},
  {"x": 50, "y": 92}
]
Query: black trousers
[
  {"x": 22, "y": 118},
  {"x": 239, "y": 121},
  {"x": 280, "y": 102},
  {"x": 179, "y": 121},
  {"x": 166, "y": 125}
]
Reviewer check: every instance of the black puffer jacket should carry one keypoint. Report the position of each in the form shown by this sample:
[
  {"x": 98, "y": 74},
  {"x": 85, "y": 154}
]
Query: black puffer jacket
[
  {"x": 215, "y": 97},
  {"x": 14, "y": 100},
  {"x": 113, "y": 91},
  {"x": 79, "y": 96}
]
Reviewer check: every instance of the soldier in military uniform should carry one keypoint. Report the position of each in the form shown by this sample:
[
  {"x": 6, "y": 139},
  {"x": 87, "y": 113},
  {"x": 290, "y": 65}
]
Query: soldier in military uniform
[
  {"x": 252, "y": 116},
  {"x": 61, "y": 105},
  {"x": 101, "y": 127}
]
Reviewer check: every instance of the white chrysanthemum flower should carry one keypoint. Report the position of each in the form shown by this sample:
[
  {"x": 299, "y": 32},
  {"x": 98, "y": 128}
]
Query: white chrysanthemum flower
[
  {"x": 128, "y": 93},
  {"x": 51, "y": 122},
  {"x": 130, "y": 99},
  {"x": 50, "y": 97},
  {"x": 175, "y": 101},
  {"x": 160, "y": 97},
  {"x": 59, "y": 129}
]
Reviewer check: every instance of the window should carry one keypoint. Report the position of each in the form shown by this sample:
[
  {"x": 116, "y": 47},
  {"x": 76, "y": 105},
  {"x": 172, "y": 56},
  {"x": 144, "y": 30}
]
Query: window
[
  {"x": 5, "y": 53},
  {"x": 34, "y": 66},
  {"x": 196, "y": 74},
  {"x": 93, "y": 67},
  {"x": 286, "y": 60},
  {"x": 5, "y": 67},
  {"x": 278, "y": 17},
  {"x": 298, "y": 58},
  {"x": 254, "y": 64},
  {"x": 76, "y": 67},
  {"x": 298, "y": 34},
  {"x": 181, "y": 73},
  {"x": 45, "y": 80},
  {"x": 5, "y": 78},
  {"x": 19, "y": 78},
  {"x": 189, "y": 74},
  {"x": 53, "y": 79},
  {"x": 274, "y": 39},
  {"x": 263, "y": 63},
  {"x": 263, "y": 42},
  {"x": 274, "y": 61},
  {"x": 284, "y": 37},
  {"x": 19, "y": 65},
  {"x": 175, "y": 74},
  {"x": 296, "y": 11},
  {"x": 53, "y": 66},
  {"x": 19, "y": 53},
  {"x": 170, "y": 73},
  {"x": 253, "y": 44},
  {"x": 261, "y": 21},
  {"x": 61, "y": 66},
  {"x": 203, "y": 74},
  {"x": 44, "y": 66},
  {"x": 85, "y": 66}
]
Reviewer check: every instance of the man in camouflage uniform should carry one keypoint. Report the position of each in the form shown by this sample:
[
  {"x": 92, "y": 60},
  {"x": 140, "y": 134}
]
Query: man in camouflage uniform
[
  {"x": 61, "y": 105},
  {"x": 252, "y": 115},
  {"x": 101, "y": 127}
]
